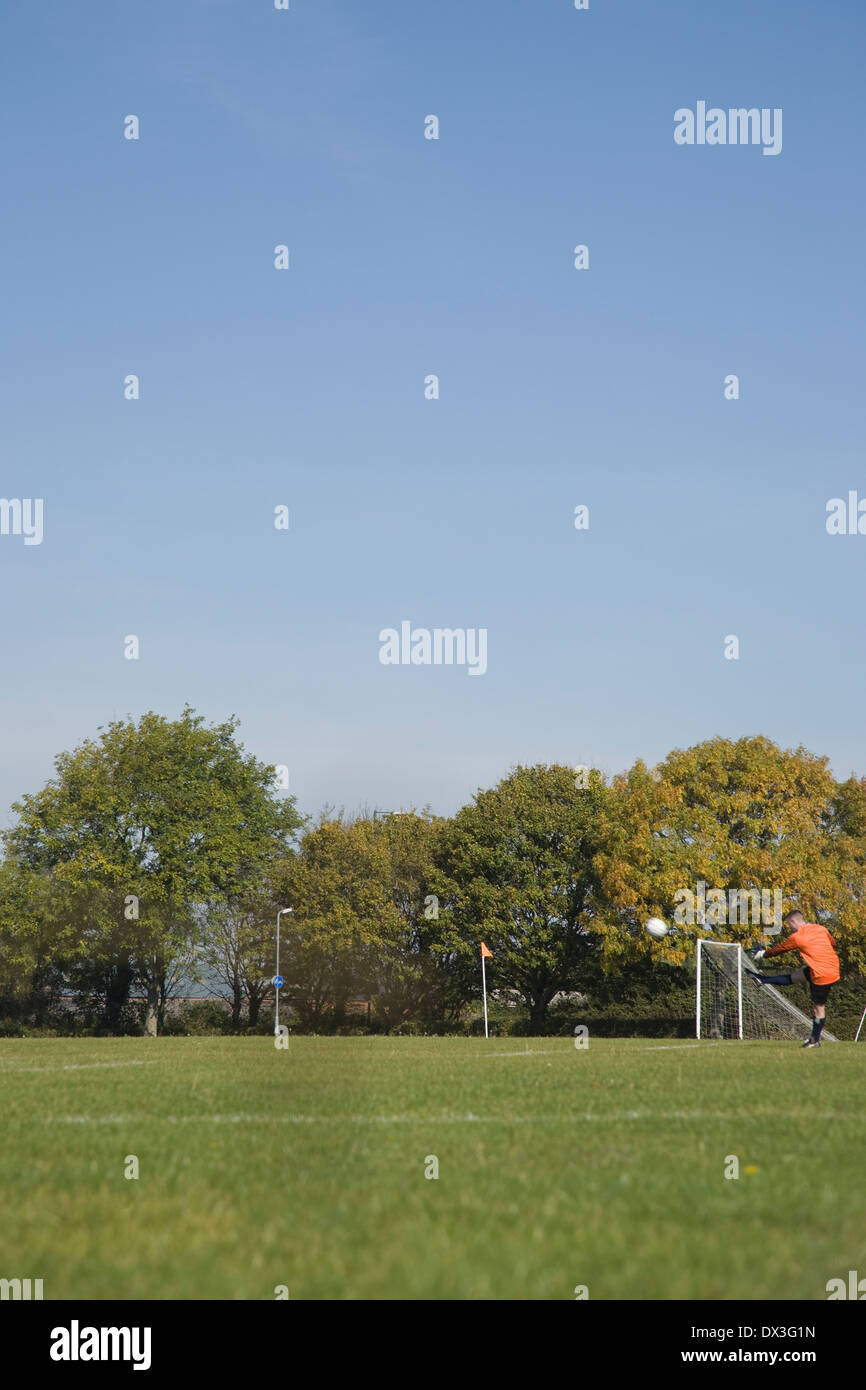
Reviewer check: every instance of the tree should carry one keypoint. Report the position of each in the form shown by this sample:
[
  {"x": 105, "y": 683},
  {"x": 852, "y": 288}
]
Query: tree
[
  {"x": 36, "y": 939},
  {"x": 401, "y": 971},
  {"x": 362, "y": 921},
  {"x": 740, "y": 817},
  {"x": 337, "y": 886},
  {"x": 848, "y": 910},
  {"x": 239, "y": 949},
  {"x": 143, "y": 826},
  {"x": 517, "y": 870}
]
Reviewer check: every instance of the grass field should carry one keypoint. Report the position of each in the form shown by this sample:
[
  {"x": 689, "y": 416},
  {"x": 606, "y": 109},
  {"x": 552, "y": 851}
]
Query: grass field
[{"x": 558, "y": 1167}]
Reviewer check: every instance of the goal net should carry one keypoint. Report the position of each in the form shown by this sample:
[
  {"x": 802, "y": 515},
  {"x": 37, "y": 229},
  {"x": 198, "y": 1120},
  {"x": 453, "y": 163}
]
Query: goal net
[{"x": 731, "y": 1003}]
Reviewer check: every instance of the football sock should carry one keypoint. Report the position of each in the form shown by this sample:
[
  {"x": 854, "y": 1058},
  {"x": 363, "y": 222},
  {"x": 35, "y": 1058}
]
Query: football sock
[
  {"x": 776, "y": 979},
  {"x": 817, "y": 1025}
]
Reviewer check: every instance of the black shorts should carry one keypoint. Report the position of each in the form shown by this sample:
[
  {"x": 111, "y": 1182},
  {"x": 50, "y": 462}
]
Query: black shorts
[{"x": 819, "y": 994}]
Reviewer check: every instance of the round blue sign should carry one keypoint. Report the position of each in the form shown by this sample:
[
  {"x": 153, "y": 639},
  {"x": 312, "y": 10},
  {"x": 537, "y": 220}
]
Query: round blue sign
[{"x": 277, "y": 981}]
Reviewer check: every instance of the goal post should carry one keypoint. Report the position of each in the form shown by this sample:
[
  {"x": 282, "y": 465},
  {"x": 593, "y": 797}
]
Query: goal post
[
  {"x": 698, "y": 994},
  {"x": 731, "y": 1004}
]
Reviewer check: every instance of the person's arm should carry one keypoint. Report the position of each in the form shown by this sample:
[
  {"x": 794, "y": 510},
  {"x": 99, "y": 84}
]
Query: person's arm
[{"x": 789, "y": 944}]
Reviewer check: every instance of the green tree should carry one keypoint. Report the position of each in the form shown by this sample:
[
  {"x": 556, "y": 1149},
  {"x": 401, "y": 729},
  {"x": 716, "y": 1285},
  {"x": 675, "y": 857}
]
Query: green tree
[
  {"x": 401, "y": 970},
  {"x": 35, "y": 941},
  {"x": 142, "y": 827},
  {"x": 517, "y": 870}
]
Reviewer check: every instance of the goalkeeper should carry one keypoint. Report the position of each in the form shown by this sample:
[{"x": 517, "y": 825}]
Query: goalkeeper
[{"x": 820, "y": 969}]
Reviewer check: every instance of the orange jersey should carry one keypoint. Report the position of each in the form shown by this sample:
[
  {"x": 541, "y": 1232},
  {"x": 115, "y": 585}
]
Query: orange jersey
[{"x": 816, "y": 946}]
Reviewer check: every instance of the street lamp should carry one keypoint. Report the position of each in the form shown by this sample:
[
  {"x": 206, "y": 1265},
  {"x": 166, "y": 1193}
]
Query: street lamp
[{"x": 282, "y": 912}]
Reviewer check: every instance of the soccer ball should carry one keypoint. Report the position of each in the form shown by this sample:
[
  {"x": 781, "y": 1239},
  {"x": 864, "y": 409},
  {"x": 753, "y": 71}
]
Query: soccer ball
[{"x": 657, "y": 928}]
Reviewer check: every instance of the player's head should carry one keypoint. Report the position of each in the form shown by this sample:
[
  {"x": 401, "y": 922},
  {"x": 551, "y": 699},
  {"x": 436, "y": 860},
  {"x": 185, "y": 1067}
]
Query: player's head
[{"x": 794, "y": 919}]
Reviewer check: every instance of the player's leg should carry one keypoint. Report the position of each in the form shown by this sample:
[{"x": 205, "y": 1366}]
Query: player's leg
[
  {"x": 819, "y": 1017},
  {"x": 795, "y": 977},
  {"x": 819, "y": 995}
]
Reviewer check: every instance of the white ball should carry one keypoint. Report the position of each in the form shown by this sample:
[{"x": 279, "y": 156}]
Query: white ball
[{"x": 656, "y": 927}]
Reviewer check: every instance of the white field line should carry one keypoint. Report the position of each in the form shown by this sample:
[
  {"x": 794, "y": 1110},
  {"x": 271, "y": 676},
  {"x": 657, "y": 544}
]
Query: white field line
[
  {"x": 11, "y": 1069},
  {"x": 609, "y": 1117},
  {"x": 566, "y": 1051}
]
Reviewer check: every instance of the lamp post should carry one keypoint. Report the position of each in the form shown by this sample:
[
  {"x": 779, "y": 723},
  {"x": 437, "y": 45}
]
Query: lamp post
[{"x": 282, "y": 912}]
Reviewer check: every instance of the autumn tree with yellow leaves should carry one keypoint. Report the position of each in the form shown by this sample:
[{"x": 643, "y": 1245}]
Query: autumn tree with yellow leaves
[{"x": 735, "y": 816}]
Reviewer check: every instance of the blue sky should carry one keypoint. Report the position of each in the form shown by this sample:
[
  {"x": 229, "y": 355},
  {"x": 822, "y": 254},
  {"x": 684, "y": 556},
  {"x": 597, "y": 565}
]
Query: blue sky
[{"x": 306, "y": 387}]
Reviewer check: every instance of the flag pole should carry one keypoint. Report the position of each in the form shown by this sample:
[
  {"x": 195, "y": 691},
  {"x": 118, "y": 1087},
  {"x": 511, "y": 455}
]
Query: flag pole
[
  {"x": 858, "y": 1030},
  {"x": 484, "y": 954},
  {"x": 484, "y": 990}
]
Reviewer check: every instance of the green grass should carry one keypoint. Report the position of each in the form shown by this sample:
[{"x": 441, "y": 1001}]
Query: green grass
[{"x": 305, "y": 1167}]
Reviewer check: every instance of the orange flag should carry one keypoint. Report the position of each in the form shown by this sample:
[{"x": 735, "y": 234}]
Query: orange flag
[{"x": 484, "y": 951}]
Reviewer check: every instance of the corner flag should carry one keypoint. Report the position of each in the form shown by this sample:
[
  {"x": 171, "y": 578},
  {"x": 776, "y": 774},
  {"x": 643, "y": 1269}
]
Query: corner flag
[{"x": 484, "y": 954}]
